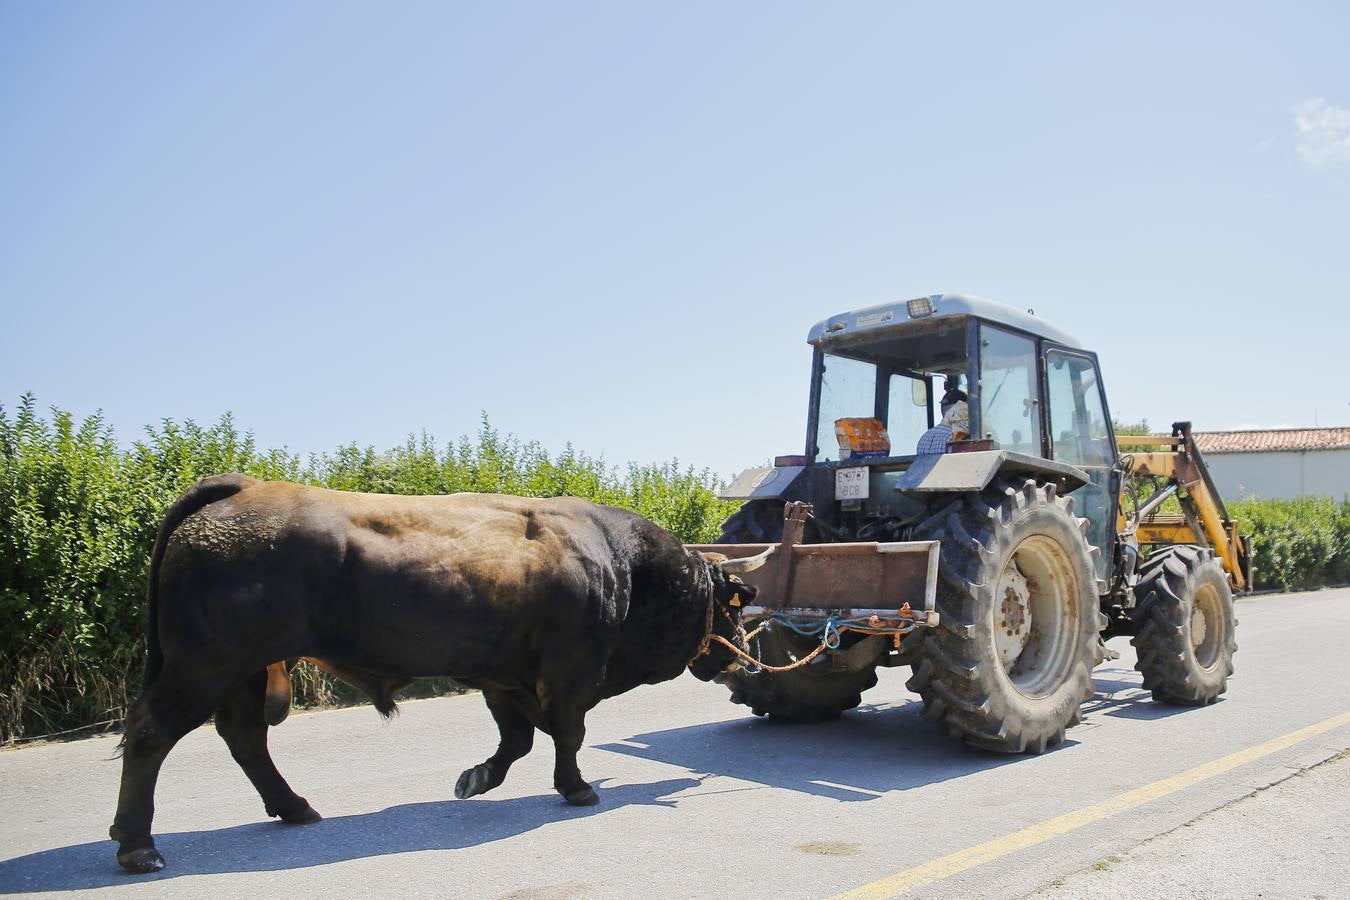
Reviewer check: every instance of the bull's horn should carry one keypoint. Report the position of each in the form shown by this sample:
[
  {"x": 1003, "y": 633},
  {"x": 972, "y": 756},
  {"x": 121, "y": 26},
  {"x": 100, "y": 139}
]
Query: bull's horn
[{"x": 747, "y": 563}]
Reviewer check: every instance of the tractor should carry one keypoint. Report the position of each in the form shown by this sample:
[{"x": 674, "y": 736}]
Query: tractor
[{"x": 996, "y": 567}]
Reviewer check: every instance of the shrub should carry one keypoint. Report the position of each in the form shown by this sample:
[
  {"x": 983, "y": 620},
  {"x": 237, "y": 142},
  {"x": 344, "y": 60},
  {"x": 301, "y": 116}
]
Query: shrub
[{"x": 1298, "y": 544}]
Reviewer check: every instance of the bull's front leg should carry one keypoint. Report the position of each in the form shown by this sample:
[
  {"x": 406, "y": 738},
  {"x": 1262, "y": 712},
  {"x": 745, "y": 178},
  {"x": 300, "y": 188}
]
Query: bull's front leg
[
  {"x": 565, "y": 712},
  {"x": 517, "y": 737},
  {"x": 567, "y": 780}
]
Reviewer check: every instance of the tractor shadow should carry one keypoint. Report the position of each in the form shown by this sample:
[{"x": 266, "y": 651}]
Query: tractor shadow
[
  {"x": 269, "y": 846},
  {"x": 1121, "y": 694},
  {"x": 868, "y": 752},
  {"x": 863, "y": 755}
]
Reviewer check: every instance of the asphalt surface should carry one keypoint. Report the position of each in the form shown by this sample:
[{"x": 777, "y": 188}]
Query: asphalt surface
[{"x": 1245, "y": 797}]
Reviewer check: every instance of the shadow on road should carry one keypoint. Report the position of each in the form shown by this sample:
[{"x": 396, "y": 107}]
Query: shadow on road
[
  {"x": 1120, "y": 694},
  {"x": 865, "y": 753},
  {"x": 862, "y": 755},
  {"x": 269, "y": 846}
]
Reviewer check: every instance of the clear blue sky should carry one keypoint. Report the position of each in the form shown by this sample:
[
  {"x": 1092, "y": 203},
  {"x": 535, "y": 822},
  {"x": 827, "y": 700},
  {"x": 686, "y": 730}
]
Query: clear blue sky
[{"x": 613, "y": 224}]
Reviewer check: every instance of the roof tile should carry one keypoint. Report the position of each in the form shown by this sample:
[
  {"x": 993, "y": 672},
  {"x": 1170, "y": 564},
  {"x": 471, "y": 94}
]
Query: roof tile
[{"x": 1273, "y": 439}]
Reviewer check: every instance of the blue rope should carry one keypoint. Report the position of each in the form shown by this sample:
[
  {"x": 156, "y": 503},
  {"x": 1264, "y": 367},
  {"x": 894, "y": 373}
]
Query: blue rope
[{"x": 828, "y": 629}]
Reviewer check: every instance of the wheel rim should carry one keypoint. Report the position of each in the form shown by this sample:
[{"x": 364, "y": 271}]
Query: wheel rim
[
  {"x": 1036, "y": 611},
  {"x": 1206, "y": 625}
]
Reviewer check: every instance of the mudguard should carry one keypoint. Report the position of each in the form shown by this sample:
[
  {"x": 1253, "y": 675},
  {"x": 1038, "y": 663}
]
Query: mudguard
[
  {"x": 947, "y": 473},
  {"x": 764, "y": 483}
]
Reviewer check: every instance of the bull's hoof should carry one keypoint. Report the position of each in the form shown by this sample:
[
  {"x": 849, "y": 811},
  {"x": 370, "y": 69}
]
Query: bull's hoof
[
  {"x": 584, "y": 796},
  {"x": 473, "y": 782},
  {"x": 303, "y": 816},
  {"x": 141, "y": 860}
]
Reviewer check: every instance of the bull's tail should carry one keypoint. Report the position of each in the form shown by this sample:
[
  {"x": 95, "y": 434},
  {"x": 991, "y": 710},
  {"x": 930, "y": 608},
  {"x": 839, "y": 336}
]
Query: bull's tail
[{"x": 200, "y": 495}]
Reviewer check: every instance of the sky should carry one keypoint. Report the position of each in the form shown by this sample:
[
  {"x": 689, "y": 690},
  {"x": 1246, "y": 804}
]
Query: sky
[{"x": 612, "y": 224}]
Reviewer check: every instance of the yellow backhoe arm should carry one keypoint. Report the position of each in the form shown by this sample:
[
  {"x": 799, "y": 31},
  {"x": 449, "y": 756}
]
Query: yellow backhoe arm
[{"x": 1205, "y": 520}]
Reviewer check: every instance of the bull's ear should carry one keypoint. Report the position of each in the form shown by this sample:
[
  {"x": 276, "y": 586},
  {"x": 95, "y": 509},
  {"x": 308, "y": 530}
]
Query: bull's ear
[{"x": 715, "y": 558}]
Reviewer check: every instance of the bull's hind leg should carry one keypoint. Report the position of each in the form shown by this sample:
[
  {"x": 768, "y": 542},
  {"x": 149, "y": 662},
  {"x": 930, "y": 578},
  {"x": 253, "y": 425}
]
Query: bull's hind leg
[
  {"x": 242, "y": 721},
  {"x": 173, "y": 706},
  {"x": 517, "y": 737}
]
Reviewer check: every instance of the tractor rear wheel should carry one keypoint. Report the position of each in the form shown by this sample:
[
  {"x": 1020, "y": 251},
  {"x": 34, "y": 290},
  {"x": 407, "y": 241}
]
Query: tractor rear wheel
[
  {"x": 1010, "y": 663},
  {"x": 814, "y": 691},
  {"x": 1185, "y": 626}
]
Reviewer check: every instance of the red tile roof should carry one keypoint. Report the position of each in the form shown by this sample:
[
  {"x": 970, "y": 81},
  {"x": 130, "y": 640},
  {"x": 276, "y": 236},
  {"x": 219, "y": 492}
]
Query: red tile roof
[{"x": 1273, "y": 440}]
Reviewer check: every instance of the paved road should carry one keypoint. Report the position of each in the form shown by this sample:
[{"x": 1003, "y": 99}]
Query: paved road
[{"x": 699, "y": 799}]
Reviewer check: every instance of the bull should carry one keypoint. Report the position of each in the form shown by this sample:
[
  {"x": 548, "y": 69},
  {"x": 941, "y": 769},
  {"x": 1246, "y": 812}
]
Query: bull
[{"x": 546, "y": 606}]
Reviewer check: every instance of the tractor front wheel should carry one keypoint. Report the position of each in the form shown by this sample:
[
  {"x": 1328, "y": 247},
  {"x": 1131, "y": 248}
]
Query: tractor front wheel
[
  {"x": 1010, "y": 663},
  {"x": 1185, "y": 626}
]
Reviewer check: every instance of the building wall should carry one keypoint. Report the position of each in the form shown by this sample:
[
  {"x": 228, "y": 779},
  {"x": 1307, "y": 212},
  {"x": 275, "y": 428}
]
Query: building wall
[{"x": 1283, "y": 474}]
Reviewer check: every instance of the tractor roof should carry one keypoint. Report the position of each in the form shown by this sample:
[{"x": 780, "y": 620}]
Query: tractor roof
[{"x": 894, "y": 317}]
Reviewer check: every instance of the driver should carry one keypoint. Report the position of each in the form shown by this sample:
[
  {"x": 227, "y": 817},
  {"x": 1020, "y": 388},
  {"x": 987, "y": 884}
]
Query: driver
[{"x": 955, "y": 424}]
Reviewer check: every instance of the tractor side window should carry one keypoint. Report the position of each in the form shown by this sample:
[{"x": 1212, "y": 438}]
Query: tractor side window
[
  {"x": 1009, "y": 408},
  {"x": 848, "y": 389},
  {"x": 1078, "y": 432},
  {"x": 906, "y": 419}
]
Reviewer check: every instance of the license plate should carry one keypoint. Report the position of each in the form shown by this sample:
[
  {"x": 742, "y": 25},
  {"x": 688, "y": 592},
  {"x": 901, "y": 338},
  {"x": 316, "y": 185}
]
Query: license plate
[{"x": 851, "y": 483}]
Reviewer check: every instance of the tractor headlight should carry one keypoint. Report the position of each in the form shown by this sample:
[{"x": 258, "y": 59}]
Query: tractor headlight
[{"x": 920, "y": 307}]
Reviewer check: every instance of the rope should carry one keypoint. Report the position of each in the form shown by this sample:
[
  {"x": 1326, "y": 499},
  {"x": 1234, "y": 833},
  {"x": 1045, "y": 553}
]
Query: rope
[
  {"x": 707, "y": 631},
  {"x": 829, "y": 629}
]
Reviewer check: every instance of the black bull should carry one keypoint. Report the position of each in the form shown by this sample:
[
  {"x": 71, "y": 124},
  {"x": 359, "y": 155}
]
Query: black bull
[{"x": 547, "y": 606}]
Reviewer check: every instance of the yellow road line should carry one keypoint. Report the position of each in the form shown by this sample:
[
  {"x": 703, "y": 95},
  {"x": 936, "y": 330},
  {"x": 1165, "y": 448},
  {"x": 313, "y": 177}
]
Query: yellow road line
[{"x": 952, "y": 863}]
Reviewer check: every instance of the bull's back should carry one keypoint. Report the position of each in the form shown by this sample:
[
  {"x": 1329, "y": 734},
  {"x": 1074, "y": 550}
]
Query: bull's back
[{"x": 423, "y": 584}]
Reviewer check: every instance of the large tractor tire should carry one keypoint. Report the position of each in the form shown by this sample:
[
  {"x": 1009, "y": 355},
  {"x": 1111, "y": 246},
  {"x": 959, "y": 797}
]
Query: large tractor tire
[
  {"x": 813, "y": 692},
  {"x": 1010, "y": 663},
  {"x": 1184, "y": 626}
]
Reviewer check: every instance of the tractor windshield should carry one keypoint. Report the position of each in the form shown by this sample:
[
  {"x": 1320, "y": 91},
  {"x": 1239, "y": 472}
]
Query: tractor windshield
[{"x": 899, "y": 400}]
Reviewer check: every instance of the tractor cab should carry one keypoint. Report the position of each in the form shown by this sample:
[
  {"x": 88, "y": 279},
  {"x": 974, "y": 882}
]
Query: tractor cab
[{"x": 1035, "y": 406}]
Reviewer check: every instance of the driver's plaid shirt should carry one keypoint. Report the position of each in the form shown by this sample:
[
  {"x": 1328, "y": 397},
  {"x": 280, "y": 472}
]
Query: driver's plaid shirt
[{"x": 935, "y": 440}]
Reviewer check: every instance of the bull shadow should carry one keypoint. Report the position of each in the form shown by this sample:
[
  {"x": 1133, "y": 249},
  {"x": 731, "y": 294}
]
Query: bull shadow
[
  {"x": 864, "y": 754},
  {"x": 269, "y": 846}
]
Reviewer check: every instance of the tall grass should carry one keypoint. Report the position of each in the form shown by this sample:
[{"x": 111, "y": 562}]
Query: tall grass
[{"x": 79, "y": 513}]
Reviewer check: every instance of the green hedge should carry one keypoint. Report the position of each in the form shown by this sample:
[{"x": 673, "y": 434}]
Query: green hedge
[
  {"x": 79, "y": 513},
  {"x": 1298, "y": 544}
]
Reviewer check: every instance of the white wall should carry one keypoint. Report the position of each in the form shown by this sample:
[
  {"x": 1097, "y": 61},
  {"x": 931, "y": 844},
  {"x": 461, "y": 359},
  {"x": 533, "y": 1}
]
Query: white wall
[{"x": 1282, "y": 474}]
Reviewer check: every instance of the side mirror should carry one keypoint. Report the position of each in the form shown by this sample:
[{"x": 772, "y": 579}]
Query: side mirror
[{"x": 918, "y": 390}]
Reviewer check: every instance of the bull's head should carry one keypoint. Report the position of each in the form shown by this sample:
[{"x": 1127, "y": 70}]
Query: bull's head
[{"x": 730, "y": 596}]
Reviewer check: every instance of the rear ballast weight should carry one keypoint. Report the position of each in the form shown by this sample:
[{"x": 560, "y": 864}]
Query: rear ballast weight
[{"x": 869, "y": 587}]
